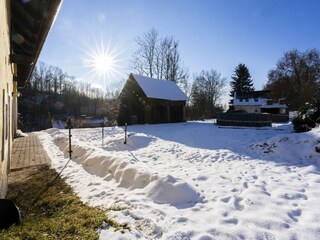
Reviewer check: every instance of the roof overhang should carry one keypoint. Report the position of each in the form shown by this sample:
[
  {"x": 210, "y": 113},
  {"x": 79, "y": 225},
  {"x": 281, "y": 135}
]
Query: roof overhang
[{"x": 31, "y": 21}]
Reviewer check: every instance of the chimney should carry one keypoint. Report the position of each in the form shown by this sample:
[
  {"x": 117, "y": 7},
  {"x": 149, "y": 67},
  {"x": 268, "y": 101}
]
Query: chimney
[
  {"x": 282, "y": 101},
  {"x": 269, "y": 101}
]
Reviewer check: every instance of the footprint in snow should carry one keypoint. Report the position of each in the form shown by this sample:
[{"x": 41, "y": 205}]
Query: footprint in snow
[
  {"x": 201, "y": 178},
  {"x": 225, "y": 200},
  {"x": 223, "y": 177},
  {"x": 231, "y": 221},
  {"x": 294, "y": 196},
  {"x": 269, "y": 236},
  {"x": 103, "y": 193},
  {"x": 94, "y": 184},
  {"x": 215, "y": 158},
  {"x": 225, "y": 214},
  {"x": 237, "y": 203},
  {"x": 295, "y": 214},
  {"x": 224, "y": 154},
  {"x": 205, "y": 237},
  {"x": 249, "y": 202},
  {"x": 182, "y": 220}
]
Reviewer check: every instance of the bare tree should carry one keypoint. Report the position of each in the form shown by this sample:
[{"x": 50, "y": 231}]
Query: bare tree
[
  {"x": 207, "y": 90},
  {"x": 52, "y": 93},
  {"x": 58, "y": 77},
  {"x": 296, "y": 77},
  {"x": 113, "y": 90},
  {"x": 159, "y": 58},
  {"x": 39, "y": 76},
  {"x": 144, "y": 56}
]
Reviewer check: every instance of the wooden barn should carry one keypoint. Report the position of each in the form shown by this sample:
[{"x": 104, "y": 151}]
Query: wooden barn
[{"x": 149, "y": 100}]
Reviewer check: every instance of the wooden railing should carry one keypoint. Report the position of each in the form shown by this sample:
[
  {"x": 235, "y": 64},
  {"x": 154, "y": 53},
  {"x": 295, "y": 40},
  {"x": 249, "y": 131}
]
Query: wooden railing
[
  {"x": 278, "y": 118},
  {"x": 244, "y": 119}
]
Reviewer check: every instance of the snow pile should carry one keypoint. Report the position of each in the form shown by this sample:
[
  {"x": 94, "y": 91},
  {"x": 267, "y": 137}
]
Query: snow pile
[
  {"x": 19, "y": 133},
  {"x": 298, "y": 148},
  {"x": 172, "y": 191},
  {"x": 196, "y": 180},
  {"x": 161, "y": 189}
]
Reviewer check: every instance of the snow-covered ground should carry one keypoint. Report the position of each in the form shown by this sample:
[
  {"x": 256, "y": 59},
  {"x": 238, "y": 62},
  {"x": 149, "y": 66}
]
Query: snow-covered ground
[{"x": 195, "y": 180}]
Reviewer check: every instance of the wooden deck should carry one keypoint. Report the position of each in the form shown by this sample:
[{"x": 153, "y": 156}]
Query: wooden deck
[{"x": 27, "y": 152}]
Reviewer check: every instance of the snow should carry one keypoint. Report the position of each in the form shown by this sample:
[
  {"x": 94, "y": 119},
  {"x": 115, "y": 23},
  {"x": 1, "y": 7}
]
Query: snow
[
  {"x": 19, "y": 133},
  {"x": 172, "y": 191},
  {"x": 274, "y": 105},
  {"x": 58, "y": 124},
  {"x": 160, "y": 89},
  {"x": 196, "y": 180}
]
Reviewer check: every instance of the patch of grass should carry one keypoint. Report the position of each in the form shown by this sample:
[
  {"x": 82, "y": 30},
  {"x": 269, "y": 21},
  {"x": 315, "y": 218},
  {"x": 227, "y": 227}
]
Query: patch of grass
[{"x": 58, "y": 214}]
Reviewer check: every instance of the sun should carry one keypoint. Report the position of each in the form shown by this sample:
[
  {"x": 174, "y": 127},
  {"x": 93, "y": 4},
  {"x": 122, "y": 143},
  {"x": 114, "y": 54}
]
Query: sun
[{"x": 103, "y": 63}]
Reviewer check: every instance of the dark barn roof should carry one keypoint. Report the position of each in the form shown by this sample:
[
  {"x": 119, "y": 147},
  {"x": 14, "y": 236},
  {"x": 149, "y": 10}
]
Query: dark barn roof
[
  {"x": 30, "y": 25},
  {"x": 252, "y": 94}
]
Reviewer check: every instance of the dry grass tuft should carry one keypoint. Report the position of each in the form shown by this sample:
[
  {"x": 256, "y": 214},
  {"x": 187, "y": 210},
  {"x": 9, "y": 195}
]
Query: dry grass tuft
[{"x": 58, "y": 214}]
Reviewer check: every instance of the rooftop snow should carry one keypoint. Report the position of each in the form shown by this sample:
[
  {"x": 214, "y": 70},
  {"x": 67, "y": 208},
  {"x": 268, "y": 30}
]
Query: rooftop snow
[
  {"x": 160, "y": 89},
  {"x": 250, "y": 102},
  {"x": 275, "y": 105}
]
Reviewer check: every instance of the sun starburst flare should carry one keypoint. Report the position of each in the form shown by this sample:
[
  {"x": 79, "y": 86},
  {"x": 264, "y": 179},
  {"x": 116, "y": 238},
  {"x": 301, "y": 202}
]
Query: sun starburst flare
[{"x": 103, "y": 62}]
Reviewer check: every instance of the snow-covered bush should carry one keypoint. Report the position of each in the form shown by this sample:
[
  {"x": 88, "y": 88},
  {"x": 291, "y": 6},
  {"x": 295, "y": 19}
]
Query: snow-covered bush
[{"x": 308, "y": 118}]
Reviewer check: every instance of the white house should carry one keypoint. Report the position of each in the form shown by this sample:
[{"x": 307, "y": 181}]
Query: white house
[{"x": 258, "y": 102}]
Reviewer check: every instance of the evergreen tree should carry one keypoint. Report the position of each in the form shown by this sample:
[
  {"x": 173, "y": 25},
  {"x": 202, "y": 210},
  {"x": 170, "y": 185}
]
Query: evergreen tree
[{"x": 241, "y": 80}]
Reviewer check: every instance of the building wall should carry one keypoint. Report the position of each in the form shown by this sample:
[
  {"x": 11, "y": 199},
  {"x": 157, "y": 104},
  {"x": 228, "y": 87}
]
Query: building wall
[
  {"x": 6, "y": 88},
  {"x": 249, "y": 109},
  {"x": 164, "y": 111}
]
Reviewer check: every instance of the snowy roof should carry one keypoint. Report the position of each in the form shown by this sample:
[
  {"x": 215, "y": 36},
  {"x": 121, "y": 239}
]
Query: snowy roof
[
  {"x": 160, "y": 89},
  {"x": 253, "y": 98},
  {"x": 275, "y": 105},
  {"x": 249, "y": 102},
  {"x": 252, "y": 94}
]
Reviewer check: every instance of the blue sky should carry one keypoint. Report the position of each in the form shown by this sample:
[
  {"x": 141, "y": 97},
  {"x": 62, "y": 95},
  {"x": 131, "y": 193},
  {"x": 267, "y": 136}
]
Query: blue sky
[{"x": 212, "y": 34}]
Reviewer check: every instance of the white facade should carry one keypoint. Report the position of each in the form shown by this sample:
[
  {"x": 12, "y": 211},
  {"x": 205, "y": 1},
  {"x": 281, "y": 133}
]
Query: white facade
[
  {"x": 254, "y": 104},
  {"x": 6, "y": 89}
]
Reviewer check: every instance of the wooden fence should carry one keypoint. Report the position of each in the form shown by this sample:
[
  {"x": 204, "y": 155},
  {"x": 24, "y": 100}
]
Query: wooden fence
[
  {"x": 244, "y": 119},
  {"x": 278, "y": 118}
]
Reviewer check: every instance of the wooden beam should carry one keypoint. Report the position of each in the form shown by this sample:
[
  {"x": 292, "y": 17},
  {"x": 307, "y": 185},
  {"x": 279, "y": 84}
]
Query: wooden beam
[{"x": 20, "y": 59}]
